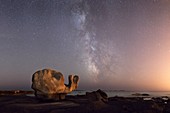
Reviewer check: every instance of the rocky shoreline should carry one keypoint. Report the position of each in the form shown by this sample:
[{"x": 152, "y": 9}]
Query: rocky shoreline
[
  {"x": 15, "y": 92},
  {"x": 92, "y": 102}
]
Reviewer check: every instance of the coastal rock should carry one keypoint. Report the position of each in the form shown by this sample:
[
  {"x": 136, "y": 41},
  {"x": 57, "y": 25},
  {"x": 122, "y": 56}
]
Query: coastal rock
[
  {"x": 139, "y": 94},
  {"x": 49, "y": 84},
  {"x": 97, "y": 100},
  {"x": 81, "y": 104},
  {"x": 98, "y": 95}
]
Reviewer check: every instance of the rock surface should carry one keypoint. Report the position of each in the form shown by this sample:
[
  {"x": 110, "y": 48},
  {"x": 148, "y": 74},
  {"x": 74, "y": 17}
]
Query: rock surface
[
  {"x": 49, "y": 84},
  {"x": 98, "y": 95},
  {"x": 82, "y": 104},
  {"x": 97, "y": 99}
]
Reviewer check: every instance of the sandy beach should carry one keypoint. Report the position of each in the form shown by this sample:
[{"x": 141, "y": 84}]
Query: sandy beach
[{"x": 21, "y": 103}]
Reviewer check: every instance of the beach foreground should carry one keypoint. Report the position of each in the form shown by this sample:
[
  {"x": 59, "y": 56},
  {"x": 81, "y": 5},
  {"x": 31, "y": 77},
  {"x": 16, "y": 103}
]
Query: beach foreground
[{"x": 84, "y": 104}]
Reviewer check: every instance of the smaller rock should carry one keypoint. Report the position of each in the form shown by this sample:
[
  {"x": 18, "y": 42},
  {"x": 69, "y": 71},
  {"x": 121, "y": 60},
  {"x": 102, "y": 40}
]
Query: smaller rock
[
  {"x": 97, "y": 100},
  {"x": 98, "y": 95},
  {"x": 103, "y": 95}
]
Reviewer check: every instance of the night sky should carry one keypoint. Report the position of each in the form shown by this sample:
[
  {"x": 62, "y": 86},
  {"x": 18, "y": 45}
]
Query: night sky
[{"x": 110, "y": 44}]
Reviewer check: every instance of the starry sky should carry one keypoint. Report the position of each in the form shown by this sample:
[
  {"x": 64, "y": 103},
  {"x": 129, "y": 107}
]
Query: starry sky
[{"x": 110, "y": 44}]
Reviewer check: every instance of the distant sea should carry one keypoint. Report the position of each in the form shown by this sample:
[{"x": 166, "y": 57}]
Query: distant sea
[{"x": 122, "y": 93}]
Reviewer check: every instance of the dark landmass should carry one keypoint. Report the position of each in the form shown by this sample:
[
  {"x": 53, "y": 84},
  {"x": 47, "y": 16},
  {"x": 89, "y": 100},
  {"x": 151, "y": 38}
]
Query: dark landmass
[
  {"x": 139, "y": 94},
  {"x": 12, "y": 102}
]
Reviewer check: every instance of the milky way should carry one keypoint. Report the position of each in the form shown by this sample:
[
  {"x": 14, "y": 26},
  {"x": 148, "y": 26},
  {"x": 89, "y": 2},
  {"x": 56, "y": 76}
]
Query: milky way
[
  {"x": 113, "y": 44},
  {"x": 99, "y": 57}
]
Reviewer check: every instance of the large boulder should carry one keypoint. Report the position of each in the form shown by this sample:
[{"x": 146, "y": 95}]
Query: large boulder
[{"x": 49, "y": 84}]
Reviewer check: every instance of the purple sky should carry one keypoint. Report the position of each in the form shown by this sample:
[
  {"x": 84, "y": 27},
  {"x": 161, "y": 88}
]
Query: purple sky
[{"x": 110, "y": 44}]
